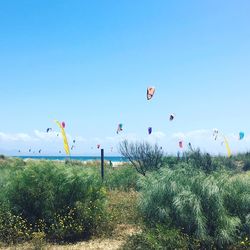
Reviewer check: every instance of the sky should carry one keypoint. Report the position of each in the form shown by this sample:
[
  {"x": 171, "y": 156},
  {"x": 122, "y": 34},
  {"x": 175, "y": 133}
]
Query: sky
[{"x": 89, "y": 63}]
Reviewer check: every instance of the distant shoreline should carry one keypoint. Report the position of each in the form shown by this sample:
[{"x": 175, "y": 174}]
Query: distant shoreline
[{"x": 77, "y": 158}]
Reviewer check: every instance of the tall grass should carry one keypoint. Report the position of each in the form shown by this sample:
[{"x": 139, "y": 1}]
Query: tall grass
[{"x": 196, "y": 203}]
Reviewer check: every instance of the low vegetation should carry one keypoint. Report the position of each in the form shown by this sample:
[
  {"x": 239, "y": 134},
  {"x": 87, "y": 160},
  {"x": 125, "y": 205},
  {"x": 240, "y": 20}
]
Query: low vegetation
[{"x": 195, "y": 201}]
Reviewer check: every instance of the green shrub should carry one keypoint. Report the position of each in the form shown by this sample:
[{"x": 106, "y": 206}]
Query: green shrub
[
  {"x": 246, "y": 166},
  {"x": 194, "y": 202},
  {"x": 13, "y": 229},
  {"x": 157, "y": 238},
  {"x": 122, "y": 178},
  {"x": 49, "y": 193}
]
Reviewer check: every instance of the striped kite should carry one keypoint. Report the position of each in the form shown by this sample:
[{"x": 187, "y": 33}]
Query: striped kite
[{"x": 150, "y": 92}]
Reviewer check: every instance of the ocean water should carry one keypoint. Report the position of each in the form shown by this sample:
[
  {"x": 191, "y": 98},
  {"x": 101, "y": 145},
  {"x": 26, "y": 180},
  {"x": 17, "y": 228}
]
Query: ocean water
[{"x": 78, "y": 158}]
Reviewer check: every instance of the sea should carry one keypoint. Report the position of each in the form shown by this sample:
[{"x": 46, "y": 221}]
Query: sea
[{"x": 77, "y": 158}]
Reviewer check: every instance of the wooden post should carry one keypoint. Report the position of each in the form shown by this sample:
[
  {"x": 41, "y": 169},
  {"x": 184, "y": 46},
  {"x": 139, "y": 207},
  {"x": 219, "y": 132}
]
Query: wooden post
[{"x": 102, "y": 163}]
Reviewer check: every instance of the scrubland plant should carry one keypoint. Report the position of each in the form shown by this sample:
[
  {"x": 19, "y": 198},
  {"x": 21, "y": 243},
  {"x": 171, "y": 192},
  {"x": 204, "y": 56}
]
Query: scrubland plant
[
  {"x": 143, "y": 156},
  {"x": 195, "y": 203},
  {"x": 63, "y": 202}
]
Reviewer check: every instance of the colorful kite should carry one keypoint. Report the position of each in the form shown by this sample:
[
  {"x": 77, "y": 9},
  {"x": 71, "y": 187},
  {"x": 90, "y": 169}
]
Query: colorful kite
[
  {"x": 149, "y": 130},
  {"x": 241, "y": 135},
  {"x": 65, "y": 141},
  {"x": 181, "y": 144},
  {"x": 227, "y": 146},
  {"x": 98, "y": 146},
  {"x": 119, "y": 128},
  {"x": 150, "y": 92}
]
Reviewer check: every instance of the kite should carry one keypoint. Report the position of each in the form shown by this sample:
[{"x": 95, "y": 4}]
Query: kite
[
  {"x": 227, "y": 146},
  {"x": 215, "y": 134},
  {"x": 241, "y": 135},
  {"x": 29, "y": 150},
  {"x": 111, "y": 149},
  {"x": 119, "y": 128},
  {"x": 40, "y": 151},
  {"x": 72, "y": 147},
  {"x": 149, "y": 130},
  {"x": 181, "y": 144},
  {"x": 63, "y": 124},
  {"x": 60, "y": 152},
  {"x": 48, "y": 129},
  {"x": 171, "y": 117},
  {"x": 65, "y": 141},
  {"x": 74, "y": 141},
  {"x": 98, "y": 145},
  {"x": 150, "y": 92}
]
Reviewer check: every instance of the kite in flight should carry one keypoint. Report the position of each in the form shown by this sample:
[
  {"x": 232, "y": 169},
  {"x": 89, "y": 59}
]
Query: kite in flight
[
  {"x": 241, "y": 135},
  {"x": 149, "y": 130},
  {"x": 215, "y": 134},
  {"x": 65, "y": 141},
  {"x": 119, "y": 128},
  {"x": 171, "y": 117},
  {"x": 181, "y": 144},
  {"x": 98, "y": 145},
  {"x": 227, "y": 146},
  {"x": 48, "y": 129},
  {"x": 40, "y": 151},
  {"x": 150, "y": 92}
]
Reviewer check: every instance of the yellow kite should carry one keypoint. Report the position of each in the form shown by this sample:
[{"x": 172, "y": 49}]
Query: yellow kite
[
  {"x": 65, "y": 141},
  {"x": 227, "y": 146}
]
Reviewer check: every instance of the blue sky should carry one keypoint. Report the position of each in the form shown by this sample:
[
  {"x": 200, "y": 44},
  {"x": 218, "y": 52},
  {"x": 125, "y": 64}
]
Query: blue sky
[{"x": 88, "y": 63}]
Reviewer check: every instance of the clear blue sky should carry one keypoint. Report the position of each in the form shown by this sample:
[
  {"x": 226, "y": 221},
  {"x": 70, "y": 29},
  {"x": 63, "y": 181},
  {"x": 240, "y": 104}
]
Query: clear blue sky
[{"x": 88, "y": 63}]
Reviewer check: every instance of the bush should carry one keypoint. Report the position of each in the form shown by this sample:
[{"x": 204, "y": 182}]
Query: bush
[
  {"x": 246, "y": 166},
  {"x": 195, "y": 203},
  {"x": 122, "y": 178},
  {"x": 71, "y": 204},
  {"x": 200, "y": 161},
  {"x": 13, "y": 229},
  {"x": 143, "y": 156},
  {"x": 157, "y": 238}
]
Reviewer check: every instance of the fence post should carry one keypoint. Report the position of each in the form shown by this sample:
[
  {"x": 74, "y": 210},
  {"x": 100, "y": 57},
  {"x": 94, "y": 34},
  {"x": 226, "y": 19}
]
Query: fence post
[{"x": 102, "y": 163}]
